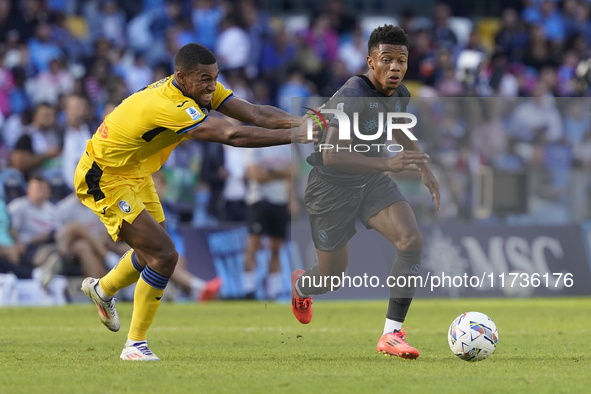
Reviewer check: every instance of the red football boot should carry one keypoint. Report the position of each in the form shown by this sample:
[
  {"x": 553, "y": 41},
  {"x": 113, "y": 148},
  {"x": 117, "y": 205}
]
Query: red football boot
[
  {"x": 301, "y": 307},
  {"x": 394, "y": 344}
]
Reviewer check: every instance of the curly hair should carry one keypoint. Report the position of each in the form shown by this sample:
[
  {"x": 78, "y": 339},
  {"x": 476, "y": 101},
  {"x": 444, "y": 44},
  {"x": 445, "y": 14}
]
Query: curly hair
[
  {"x": 387, "y": 34},
  {"x": 191, "y": 55}
]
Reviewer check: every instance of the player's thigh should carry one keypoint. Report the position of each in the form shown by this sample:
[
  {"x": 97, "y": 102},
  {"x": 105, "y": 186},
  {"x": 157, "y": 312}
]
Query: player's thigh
[
  {"x": 398, "y": 224},
  {"x": 149, "y": 240},
  {"x": 332, "y": 212},
  {"x": 147, "y": 194},
  {"x": 113, "y": 198}
]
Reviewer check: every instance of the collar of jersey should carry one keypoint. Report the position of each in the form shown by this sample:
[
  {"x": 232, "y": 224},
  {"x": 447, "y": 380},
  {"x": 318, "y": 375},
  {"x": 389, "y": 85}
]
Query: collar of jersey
[
  {"x": 371, "y": 85},
  {"x": 178, "y": 87}
]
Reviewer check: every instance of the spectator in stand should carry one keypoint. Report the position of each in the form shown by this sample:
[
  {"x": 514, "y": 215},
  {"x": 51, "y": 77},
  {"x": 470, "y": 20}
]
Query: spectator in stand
[
  {"x": 138, "y": 75},
  {"x": 234, "y": 186},
  {"x": 9, "y": 250},
  {"x": 550, "y": 19},
  {"x": 49, "y": 85},
  {"x": 214, "y": 174},
  {"x": 42, "y": 50},
  {"x": 538, "y": 54},
  {"x": 567, "y": 84},
  {"x": 20, "y": 101},
  {"x": 207, "y": 16},
  {"x": 341, "y": 19},
  {"x": 76, "y": 134},
  {"x": 322, "y": 39},
  {"x": 233, "y": 44},
  {"x": 196, "y": 288},
  {"x": 296, "y": 86},
  {"x": 82, "y": 239},
  {"x": 34, "y": 222},
  {"x": 268, "y": 171},
  {"x": 577, "y": 121},
  {"x": 513, "y": 37},
  {"x": 443, "y": 35},
  {"x": 95, "y": 83},
  {"x": 535, "y": 114},
  {"x": 422, "y": 51},
  {"x": 278, "y": 52},
  {"x": 107, "y": 21},
  {"x": 353, "y": 53},
  {"x": 33, "y": 13},
  {"x": 10, "y": 20},
  {"x": 257, "y": 26},
  {"x": 39, "y": 144}
]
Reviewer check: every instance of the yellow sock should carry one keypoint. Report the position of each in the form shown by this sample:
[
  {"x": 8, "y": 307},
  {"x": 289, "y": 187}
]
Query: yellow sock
[
  {"x": 146, "y": 301},
  {"x": 122, "y": 275}
]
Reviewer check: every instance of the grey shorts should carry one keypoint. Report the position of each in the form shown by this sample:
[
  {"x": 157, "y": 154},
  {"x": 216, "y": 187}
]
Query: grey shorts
[{"x": 332, "y": 210}]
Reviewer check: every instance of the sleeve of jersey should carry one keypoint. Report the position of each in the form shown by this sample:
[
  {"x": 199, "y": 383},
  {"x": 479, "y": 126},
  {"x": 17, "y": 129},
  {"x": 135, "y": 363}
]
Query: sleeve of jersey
[
  {"x": 348, "y": 101},
  {"x": 220, "y": 96},
  {"x": 184, "y": 120}
]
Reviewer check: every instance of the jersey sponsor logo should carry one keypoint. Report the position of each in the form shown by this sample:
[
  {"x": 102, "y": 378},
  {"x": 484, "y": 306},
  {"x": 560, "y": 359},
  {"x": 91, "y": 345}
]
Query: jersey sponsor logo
[
  {"x": 322, "y": 236},
  {"x": 103, "y": 131},
  {"x": 124, "y": 206},
  {"x": 104, "y": 212},
  {"x": 375, "y": 105},
  {"x": 183, "y": 103},
  {"x": 193, "y": 113}
]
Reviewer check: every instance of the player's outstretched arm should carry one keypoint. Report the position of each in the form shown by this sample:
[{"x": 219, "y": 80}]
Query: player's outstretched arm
[
  {"x": 265, "y": 116},
  {"x": 222, "y": 131}
]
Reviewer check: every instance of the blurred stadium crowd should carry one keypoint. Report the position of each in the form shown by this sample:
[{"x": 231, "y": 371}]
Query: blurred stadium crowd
[{"x": 65, "y": 64}]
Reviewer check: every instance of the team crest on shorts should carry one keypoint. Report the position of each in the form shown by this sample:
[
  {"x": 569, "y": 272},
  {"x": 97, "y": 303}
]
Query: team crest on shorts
[
  {"x": 322, "y": 236},
  {"x": 124, "y": 206}
]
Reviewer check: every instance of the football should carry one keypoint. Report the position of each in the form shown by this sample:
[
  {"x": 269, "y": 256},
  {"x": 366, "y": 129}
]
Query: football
[{"x": 473, "y": 336}]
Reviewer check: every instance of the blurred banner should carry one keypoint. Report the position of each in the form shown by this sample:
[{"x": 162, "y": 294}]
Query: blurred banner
[
  {"x": 514, "y": 260},
  {"x": 458, "y": 260},
  {"x": 219, "y": 251}
]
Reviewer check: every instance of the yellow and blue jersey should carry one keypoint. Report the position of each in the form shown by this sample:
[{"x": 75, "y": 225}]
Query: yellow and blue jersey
[{"x": 139, "y": 135}]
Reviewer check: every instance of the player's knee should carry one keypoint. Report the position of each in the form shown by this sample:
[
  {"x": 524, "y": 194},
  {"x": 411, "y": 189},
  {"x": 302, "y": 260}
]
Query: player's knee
[
  {"x": 168, "y": 257},
  {"x": 412, "y": 240}
]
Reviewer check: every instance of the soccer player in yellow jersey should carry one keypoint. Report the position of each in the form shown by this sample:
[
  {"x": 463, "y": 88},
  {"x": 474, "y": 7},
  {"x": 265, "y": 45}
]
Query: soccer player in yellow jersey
[{"x": 113, "y": 177}]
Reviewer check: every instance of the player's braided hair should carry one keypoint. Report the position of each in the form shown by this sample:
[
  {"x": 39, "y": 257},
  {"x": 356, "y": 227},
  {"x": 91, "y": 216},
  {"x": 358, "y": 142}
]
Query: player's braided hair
[
  {"x": 190, "y": 55},
  {"x": 387, "y": 34}
]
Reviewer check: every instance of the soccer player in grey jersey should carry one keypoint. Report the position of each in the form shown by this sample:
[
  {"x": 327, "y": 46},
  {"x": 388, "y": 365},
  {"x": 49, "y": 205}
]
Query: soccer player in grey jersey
[{"x": 349, "y": 183}]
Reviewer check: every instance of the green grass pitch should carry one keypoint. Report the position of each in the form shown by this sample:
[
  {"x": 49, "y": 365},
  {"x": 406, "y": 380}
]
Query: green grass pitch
[{"x": 243, "y": 347}]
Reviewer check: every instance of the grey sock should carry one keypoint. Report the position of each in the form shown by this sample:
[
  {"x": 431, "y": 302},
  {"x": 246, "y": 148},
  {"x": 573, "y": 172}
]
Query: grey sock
[
  {"x": 310, "y": 283},
  {"x": 405, "y": 269}
]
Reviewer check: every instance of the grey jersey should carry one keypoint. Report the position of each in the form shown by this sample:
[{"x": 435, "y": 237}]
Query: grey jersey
[{"x": 359, "y": 95}]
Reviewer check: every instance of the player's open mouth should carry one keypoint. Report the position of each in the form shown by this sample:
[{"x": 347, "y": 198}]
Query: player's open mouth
[
  {"x": 206, "y": 96},
  {"x": 393, "y": 79}
]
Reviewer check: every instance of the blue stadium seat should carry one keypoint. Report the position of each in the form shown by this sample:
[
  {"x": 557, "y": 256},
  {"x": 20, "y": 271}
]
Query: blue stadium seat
[{"x": 12, "y": 184}]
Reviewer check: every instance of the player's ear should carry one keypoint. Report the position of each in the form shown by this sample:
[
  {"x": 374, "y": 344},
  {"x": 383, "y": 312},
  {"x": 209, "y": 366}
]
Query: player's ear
[
  {"x": 370, "y": 63},
  {"x": 180, "y": 76}
]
